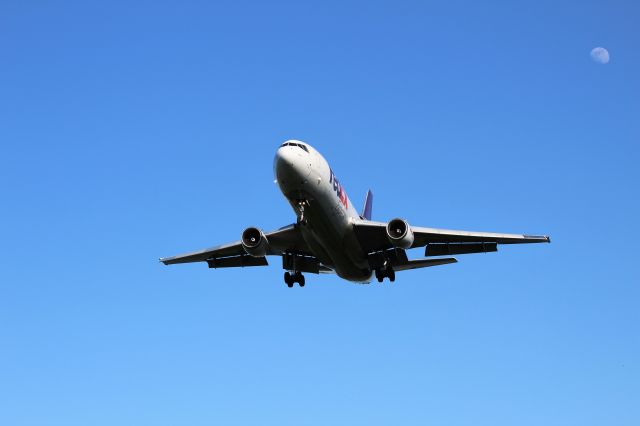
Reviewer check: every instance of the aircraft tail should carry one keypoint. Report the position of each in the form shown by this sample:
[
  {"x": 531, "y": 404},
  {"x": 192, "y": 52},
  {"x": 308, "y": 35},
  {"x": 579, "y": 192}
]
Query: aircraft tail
[{"x": 368, "y": 203}]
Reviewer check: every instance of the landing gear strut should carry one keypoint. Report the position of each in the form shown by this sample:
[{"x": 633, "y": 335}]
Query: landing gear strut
[
  {"x": 296, "y": 277},
  {"x": 387, "y": 272},
  {"x": 301, "y": 205}
]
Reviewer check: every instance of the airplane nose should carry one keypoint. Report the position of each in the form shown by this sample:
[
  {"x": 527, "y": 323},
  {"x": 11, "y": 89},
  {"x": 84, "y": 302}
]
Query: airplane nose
[
  {"x": 285, "y": 157},
  {"x": 290, "y": 168}
]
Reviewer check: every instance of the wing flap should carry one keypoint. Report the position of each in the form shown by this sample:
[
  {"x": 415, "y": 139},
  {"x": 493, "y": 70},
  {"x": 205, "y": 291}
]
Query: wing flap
[
  {"x": 445, "y": 249},
  {"x": 237, "y": 261}
]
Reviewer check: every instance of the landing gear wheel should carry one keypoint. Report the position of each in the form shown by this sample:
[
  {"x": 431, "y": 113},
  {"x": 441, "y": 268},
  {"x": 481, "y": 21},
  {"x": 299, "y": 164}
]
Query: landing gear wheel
[
  {"x": 381, "y": 274},
  {"x": 288, "y": 279},
  {"x": 296, "y": 277}
]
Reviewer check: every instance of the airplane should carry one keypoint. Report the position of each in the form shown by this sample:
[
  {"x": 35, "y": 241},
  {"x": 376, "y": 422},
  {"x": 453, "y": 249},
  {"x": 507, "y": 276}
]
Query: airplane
[{"x": 330, "y": 236}]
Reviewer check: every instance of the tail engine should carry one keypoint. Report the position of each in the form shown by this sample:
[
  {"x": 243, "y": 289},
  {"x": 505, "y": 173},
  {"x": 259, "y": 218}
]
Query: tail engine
[
  {"x": 399, "y": 233},
  {"x": 254, "y": 242}
]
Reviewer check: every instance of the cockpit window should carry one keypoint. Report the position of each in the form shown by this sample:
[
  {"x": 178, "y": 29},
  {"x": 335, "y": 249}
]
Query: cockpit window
[{"x": 299, "y": 145}]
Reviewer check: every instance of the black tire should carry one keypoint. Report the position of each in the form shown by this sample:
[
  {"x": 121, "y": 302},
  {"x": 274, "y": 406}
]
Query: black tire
[
  {"x": 392, "y": 275},
  {"x": 288, "y": 279},
  {"x": 301, "y": 280}
]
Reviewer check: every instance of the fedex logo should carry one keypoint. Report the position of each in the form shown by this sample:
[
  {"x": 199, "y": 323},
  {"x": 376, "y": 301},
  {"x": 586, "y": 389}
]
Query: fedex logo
[{"x": 337, "y": 187}]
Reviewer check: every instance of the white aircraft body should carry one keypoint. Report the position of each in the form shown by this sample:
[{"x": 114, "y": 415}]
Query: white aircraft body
[{"x": 330, "y": 236}]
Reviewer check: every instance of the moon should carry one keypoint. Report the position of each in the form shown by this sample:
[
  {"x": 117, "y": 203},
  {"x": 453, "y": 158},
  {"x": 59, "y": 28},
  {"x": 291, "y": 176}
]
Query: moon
[{"x": 600, "y": 55}]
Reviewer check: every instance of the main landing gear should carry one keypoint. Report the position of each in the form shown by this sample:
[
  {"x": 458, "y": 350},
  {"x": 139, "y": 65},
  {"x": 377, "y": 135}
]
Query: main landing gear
[
  {"x": 296, "y": 277},
  {"x": 388, "y": 272}
]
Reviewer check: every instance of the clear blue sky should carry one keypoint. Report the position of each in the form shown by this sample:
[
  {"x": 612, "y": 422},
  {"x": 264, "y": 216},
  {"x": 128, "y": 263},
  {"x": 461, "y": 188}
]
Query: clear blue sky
[{"x": 135, "y": 130}]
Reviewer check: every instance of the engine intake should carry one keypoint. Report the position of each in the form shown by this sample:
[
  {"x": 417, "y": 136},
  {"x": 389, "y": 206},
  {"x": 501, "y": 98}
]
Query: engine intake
[
  {"x": 399, "y": 233},
  {"x": 254, "y": 242}
]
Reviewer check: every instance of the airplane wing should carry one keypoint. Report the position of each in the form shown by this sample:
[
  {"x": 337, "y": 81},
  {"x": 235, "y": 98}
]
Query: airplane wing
[
  {"x": 373, "y": 237},
  {"x": 286, "y": 239}
]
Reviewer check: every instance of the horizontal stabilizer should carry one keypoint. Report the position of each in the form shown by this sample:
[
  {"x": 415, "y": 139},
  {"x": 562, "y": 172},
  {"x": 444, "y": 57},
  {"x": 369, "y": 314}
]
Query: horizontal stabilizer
[{"x": 424, "y": 263}]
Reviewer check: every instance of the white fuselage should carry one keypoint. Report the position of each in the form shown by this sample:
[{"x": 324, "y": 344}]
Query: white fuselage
[{"x": 323, "y": 208}]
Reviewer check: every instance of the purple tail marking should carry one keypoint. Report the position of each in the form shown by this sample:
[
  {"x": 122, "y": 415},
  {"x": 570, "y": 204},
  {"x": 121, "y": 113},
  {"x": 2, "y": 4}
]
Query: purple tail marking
[{"x": 368, "y": 205}]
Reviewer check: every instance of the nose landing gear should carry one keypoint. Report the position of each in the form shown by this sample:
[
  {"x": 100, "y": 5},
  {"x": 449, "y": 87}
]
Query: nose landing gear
[
  {"x": 296, "y": 277},
  {"x": 301, "y": 205}
]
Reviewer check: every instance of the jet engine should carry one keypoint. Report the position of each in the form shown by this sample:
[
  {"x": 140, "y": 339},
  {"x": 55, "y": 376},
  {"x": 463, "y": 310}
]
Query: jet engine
[
  {"x": 254, "y": 242},
  {"x": 399, "y": 233}
]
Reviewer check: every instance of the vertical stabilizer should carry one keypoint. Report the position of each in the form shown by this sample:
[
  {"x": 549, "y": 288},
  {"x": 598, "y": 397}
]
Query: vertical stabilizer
[{"x": 368, "y": 203}]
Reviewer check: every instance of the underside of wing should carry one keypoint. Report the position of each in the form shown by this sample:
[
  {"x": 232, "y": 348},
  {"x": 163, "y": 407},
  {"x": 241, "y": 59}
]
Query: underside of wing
[
  {"x": 283, "y": 240},
  {"x": 373, "y": 237},
  {"x": 432, "y": 235}
]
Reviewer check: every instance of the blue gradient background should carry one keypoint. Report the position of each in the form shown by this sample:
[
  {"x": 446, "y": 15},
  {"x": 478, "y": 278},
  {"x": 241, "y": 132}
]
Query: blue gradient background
[{"x": 135, "y": 130}]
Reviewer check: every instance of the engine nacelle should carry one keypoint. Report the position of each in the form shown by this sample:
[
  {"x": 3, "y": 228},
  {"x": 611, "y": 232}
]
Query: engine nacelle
[
  {"x": 399, "y": 233},
  {"x": 254, "y": 242}
]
